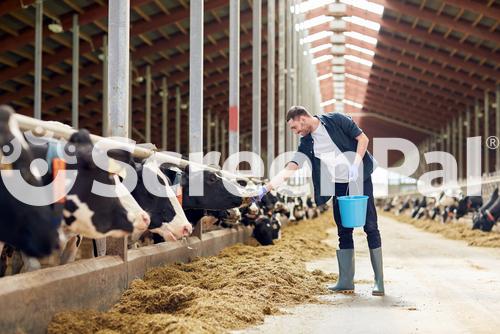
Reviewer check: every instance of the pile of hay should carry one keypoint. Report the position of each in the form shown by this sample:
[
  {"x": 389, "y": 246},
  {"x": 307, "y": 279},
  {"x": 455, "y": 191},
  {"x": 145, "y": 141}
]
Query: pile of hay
[
  {"x": 233, "y": 290},
  {"x": 452, "y": 230}
]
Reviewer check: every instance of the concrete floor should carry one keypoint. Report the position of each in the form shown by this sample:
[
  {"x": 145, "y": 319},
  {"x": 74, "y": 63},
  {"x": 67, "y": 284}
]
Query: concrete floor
[{"x": 433, "y": 285}]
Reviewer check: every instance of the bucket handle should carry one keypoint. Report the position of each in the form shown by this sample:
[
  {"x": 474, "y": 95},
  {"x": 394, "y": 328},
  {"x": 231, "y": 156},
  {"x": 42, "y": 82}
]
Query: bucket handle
[{"x": 347, "y": 189}]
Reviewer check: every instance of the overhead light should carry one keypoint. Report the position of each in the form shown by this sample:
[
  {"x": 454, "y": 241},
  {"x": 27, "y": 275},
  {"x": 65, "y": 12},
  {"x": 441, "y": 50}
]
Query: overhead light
[
  {"x": 101, "y": 56},
  {"x": 184, "y": 106},
  {"x": 139, "y": 79},
  {"x": 56, "y": 27}
]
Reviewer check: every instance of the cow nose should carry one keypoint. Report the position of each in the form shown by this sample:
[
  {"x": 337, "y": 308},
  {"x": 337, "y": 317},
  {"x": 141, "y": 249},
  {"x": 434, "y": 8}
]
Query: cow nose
[
  {"x": 187, "y": 230},
  {"x": 146, "y": 219}
]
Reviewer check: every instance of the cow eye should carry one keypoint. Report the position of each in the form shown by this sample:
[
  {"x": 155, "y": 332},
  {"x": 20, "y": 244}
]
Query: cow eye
[{"x": 212, "y": 178}]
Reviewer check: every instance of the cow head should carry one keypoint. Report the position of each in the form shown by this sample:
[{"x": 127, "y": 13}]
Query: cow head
[
  {"x": 167, "y": 217},
  {"x": 218, "y": 192},
  {"x": 30, "y": 228},
  {"x": 92, "y": 215}
]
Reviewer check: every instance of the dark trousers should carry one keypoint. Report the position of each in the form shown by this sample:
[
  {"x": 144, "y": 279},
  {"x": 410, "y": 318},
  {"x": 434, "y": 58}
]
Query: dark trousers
[{"x": 371, "y": 227}]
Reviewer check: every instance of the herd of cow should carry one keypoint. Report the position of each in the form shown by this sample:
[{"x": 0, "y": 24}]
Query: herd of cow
[
  {"x": 447, "y": 207},
  {"x": 57, "y": 229}
]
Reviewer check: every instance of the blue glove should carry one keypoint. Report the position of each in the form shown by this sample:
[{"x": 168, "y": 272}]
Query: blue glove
[
  {"x": 353, "y": 172},
  {"x": 260, "y": 194}
]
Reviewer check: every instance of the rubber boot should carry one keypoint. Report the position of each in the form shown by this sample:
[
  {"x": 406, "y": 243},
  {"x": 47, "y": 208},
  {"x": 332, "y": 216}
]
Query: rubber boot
[
  {"x": 376, "y": 258},
  {"x": 345, "y": 282}
]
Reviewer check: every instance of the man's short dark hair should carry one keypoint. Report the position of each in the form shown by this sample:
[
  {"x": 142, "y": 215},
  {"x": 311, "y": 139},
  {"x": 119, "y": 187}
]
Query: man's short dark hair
[{"x": 296, "y": 111}]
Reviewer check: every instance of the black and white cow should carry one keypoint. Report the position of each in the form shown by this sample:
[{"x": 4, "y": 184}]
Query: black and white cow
[
  {"x": 29, "y": 228},
  {"x": 160, "y": 202},
  {"x": 468, "y": 204},
  {"x": 488, "y": 214}
]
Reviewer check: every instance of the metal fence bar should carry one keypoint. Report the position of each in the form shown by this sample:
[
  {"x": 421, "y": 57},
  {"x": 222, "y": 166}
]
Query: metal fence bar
[
  {"x": 256, "y": 75},
  {"x": 196, "y": 76},
  {"x": 75, "y": 69},
  {"x": 38, "y": 59}
]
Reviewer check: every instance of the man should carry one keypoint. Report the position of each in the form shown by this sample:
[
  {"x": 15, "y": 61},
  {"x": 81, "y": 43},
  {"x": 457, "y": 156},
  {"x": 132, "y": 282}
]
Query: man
[{"x": 325, "y": 140}]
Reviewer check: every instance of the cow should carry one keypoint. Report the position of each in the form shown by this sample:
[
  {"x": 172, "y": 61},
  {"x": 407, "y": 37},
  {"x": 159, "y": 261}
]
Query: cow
[
  {"x": 468, "y": 204},
  {"x": 488, "y": 214},
  {"x": 31, "y": 229},
  {"x": 167, "y": 217}
]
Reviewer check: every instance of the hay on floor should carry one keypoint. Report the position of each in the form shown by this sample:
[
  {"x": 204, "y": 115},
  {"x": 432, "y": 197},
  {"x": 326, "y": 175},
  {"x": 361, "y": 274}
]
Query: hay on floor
[{"x": 233, "y": 290}]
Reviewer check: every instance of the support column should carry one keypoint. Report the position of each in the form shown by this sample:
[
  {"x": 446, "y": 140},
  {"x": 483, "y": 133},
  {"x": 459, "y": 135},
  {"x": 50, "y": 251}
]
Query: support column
[
  {"x": 271, "y": 62},
  {"x": 147, "y": 130},
  {"x": 164, "y": 114},
  {"x": 448, "y": 138},
  {"x": 177, "y": 119},
  {"x": 468, "y": 127},
  {"x": 38, "y": 59},
  {"x": 460, "y": 146},
  {"x": 209, "y": 131},
  {"x": 453, "y": 138},
  {"x": 130, "y": 99},
  {"x": 217, "y": 134},
  {"x": 486, "y": 150},
  {"x": 281, "y": 77},
  {"x": 118, "y": 87},
  {"x": 256, "y": 75},
  {"x": 223, "y": 141},
  {"x": 476, "y": 118},
  {"x": 75, "y": 76},
  {"x": 118, "y": 66},
  {"x": 289, "y": 49},
  {"x": 196, "y": 76},
  {"x": 105, "y": 111},
  {"x": 234, "y": 76},
  {"x": 497, "y": 126}
]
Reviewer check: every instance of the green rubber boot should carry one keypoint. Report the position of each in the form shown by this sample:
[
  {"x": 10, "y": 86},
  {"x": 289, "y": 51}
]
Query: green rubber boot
[
  {"x": 345, "y": 282},
  {"x": 376, "y": 258}
]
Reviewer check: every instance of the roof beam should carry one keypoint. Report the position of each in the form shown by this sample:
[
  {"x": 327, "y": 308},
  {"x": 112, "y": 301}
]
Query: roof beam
[
  {"x": 475, "y": 7},
  {"x": 428, "y": 15},
  {"x": 439, "y": 40}
]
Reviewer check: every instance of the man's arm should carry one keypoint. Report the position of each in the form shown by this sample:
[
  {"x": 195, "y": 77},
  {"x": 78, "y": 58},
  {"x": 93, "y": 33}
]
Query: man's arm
[
  {"x": 361, "y": 149},
  {"x": 282, "y": 176}
]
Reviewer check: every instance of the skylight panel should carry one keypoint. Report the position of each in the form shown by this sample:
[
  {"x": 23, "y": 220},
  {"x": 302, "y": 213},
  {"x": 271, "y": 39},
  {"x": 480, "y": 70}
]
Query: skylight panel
[
  {"x": 316, "y": 36},
  {"x": 360, "y": 49},
  {"x": 361, "y": 37},
  {"x": 327, "y": 103},
  {"x": 353, "y": 103},
  {"x": 362, "y": 22},
  {"x": 355, "y": 77},
  {"x": 358, "y": 60},
  {"x": 366, "y": 5}
]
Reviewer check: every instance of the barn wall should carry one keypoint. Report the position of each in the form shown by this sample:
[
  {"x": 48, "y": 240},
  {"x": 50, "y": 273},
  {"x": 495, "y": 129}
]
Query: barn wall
[{"x": 28, "y": 301}]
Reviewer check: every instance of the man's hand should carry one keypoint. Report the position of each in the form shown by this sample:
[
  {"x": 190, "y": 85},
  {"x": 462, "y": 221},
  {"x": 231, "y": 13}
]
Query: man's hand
[
  {"x": 353, "y": 172},
  {"x": 260, "y": 194}
]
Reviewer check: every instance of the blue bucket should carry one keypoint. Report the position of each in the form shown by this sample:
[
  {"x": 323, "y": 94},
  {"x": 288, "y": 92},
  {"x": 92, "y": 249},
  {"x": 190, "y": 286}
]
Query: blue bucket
[{"x": 353, "y": 210}]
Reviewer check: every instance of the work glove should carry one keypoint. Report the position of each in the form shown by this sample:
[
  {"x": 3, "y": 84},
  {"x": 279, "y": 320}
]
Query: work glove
[
  {"x": 353, "y": 172},
  {"x": 260, "y": 194}
]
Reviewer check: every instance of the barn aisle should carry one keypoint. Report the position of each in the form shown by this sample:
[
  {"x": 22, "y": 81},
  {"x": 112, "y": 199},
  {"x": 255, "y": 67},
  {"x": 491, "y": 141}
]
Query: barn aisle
[{"x": 433, "y": 285}]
